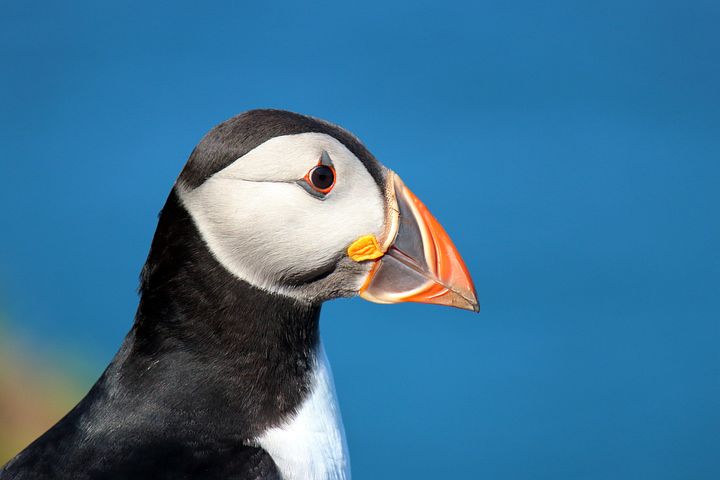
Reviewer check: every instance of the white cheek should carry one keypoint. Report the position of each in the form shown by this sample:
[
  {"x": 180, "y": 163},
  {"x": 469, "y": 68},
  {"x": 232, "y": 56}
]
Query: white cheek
[{"x": 264, "y": 231}]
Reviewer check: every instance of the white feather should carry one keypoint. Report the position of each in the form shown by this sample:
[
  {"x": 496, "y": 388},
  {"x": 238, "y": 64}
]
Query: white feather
[
  {"x": 311, "y": 445},
  {"x": 262, "y": 226}
]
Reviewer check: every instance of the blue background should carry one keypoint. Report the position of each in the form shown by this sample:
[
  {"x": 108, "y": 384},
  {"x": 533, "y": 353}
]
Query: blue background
[{"x": 571, "y": 149}]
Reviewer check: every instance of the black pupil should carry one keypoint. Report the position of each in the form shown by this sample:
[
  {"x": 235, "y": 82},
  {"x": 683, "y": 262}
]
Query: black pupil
[{"x": 322, "y": 177}]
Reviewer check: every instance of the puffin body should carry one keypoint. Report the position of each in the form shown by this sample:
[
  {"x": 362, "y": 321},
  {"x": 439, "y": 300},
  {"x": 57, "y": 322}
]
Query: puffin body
[{"x": 223, "y": 374}]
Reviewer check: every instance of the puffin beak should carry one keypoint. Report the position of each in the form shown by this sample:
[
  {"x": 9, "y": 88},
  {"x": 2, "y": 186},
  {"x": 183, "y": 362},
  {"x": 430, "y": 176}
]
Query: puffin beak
[{"x": 418, "y": 261}]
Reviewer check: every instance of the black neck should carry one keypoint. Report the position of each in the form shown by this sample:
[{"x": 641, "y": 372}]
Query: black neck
[{"x": 207, "y": 346}]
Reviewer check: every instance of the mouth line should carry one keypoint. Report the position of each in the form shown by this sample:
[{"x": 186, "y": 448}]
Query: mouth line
[
  {"x": 409, "y": 262},
  {"x": 422, "y": 264}
]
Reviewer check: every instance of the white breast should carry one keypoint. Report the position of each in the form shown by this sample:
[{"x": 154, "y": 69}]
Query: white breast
[{"x": 311, "y": 445}]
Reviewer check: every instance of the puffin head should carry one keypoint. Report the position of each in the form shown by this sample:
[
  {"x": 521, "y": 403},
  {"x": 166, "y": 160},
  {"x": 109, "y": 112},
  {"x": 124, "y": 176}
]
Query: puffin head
[{"x": 297, "y": 206}]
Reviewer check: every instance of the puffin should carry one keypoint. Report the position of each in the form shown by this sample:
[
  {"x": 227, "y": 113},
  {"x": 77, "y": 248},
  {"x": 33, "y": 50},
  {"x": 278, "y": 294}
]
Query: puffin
[{"x": 223, "y": 374}]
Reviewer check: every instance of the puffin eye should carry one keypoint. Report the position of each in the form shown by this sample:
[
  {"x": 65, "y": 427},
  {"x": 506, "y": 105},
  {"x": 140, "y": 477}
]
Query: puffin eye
[{"x": 321, "y": 178}]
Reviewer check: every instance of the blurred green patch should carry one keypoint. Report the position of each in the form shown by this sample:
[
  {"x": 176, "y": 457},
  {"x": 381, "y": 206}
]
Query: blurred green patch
[{"x": 35, "y": 392}]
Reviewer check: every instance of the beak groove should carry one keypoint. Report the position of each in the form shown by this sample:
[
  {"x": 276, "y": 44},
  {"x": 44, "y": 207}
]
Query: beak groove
[{"x": 421, "y": 264}]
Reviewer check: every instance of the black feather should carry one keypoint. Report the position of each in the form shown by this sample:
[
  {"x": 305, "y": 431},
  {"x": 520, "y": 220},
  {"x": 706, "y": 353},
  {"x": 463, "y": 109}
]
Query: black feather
[{"x": 209, "y": 364}]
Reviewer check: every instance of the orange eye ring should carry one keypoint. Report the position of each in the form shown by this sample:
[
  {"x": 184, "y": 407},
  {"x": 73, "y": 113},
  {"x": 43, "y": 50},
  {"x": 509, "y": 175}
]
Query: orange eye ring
[{"x": 321, "y": 178}]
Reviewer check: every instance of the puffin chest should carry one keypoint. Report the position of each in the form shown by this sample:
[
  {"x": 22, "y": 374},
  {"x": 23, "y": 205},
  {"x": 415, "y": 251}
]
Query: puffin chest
[{"x": 311, "y": 444}]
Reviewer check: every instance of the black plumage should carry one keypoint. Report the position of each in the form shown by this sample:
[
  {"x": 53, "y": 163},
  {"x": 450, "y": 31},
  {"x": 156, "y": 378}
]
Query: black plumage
[
  {"x": 210, "y": 362},
  {"x": 235, "y": 137}
]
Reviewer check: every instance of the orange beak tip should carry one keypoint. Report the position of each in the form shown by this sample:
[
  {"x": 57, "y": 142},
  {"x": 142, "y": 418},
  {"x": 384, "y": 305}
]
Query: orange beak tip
[{"x": 420, "y": 263}]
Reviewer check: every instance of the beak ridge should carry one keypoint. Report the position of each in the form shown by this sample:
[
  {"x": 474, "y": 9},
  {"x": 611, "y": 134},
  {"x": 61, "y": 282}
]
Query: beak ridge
[{"x": 421, "y": 263}]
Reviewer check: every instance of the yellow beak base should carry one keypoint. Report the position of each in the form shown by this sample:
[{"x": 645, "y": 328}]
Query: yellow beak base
[{"x": 365, "y": 248}]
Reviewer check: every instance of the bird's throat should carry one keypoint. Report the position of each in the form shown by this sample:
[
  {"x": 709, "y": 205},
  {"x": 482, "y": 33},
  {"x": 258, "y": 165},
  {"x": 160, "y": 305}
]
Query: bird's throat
[{"x": 210, "y": 354}]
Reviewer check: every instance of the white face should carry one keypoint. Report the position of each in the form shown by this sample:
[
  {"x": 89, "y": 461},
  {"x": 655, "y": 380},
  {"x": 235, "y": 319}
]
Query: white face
[{"x": 265, "y": 228}]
